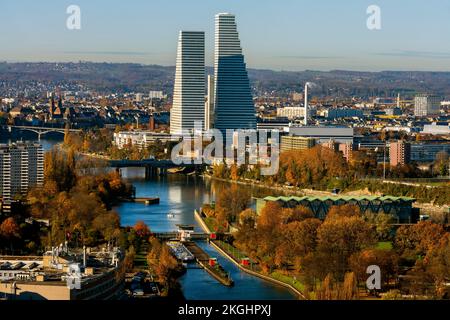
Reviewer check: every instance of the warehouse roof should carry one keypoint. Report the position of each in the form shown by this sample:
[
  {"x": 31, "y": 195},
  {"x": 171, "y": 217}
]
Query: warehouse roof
[{"x": 341, "y": 198}]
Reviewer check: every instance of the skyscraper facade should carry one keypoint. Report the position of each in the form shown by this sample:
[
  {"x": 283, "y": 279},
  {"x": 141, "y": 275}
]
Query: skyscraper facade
[
  {"x": 233, "y": 102},
  {"x": 189, "y": 89}
]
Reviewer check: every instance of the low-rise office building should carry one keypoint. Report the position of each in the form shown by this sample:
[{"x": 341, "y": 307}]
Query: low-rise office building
[
  {"x": 290, "y": 142},
  {"x": 142, "y": 139}
]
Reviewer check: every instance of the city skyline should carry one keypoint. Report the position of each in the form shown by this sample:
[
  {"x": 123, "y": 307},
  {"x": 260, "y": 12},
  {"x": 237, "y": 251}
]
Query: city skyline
[{"x": 145, "y": 33}]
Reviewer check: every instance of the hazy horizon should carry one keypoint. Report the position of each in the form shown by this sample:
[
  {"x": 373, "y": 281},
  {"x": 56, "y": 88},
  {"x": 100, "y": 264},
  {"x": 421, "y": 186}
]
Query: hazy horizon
[
  {"x": 211, "y": 66},
  {"x": 287, "y": 35}
]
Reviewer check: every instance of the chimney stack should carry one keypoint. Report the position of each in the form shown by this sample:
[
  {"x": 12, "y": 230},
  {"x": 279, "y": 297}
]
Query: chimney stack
[{"x": 305, "y": 121}]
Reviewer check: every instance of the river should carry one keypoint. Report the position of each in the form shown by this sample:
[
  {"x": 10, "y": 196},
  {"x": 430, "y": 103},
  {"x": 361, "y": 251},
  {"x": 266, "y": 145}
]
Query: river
[{"x": 180, "y": 195}]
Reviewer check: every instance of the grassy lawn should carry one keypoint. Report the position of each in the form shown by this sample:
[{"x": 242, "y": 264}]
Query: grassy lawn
[
  {"x": 289, "y": 280},
  {"x": 210, "y": 223},
  {"x": 230, "y": 249},
  {"x": 384, "y": 245}
]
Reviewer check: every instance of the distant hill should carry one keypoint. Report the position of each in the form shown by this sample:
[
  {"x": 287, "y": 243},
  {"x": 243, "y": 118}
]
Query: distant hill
[{"x": 126, "y": 77}]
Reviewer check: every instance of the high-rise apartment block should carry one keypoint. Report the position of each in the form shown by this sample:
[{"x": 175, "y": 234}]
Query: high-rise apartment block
[
  {"x": 426, "y": 105},
  {"x": 21, "y": 167},
  {"x": 399, "y": 153},
  {"x": 189, "y": 90},
  {"x": 233, "y": 103}
]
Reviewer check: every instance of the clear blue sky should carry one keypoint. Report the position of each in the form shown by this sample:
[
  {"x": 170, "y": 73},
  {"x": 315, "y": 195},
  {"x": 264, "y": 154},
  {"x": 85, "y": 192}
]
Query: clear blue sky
[{"x": 275, "y": 34}]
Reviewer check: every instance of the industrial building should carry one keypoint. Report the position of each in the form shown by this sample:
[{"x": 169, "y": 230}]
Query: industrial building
[
  {"x": 61, "y": 274},
  {"x": 399, "y": 207}
]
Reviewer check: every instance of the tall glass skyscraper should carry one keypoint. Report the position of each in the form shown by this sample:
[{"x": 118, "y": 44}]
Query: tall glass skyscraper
[
  {"x": 190, "y": 79},
  {"x": 233, "y": 102}
]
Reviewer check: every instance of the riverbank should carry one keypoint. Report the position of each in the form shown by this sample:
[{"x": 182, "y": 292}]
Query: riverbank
[
  {"x": 431, "y": 209},
  {"x": 205, "y": 228}
]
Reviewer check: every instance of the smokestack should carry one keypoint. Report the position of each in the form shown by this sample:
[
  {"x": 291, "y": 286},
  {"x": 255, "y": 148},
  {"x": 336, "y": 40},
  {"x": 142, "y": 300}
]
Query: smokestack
[
  {"x": 305, "y": 121},
  {"x": 84, "y": 256}
]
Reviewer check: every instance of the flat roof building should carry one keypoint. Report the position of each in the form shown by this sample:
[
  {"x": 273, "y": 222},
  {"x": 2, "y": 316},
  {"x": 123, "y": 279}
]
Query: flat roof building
[
  {"x": 399, "y": 207},
  {"x": 289, "y": 143},
  {"x": 142, "y": 139},
  {"x": 324, "y": 134},
  {"x": 61, "y": 275}
]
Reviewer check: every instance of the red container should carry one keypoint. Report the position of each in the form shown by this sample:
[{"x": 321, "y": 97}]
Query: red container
[
  {"x": 212, "y": 262},
  {"x": 213, "y": 236},
  {"x": 245, "y": 262}
]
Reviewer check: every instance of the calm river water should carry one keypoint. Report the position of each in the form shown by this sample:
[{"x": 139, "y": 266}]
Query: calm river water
[{"x": 180, "y": 195}]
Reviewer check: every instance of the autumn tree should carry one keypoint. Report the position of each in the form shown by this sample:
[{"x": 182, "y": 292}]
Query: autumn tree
[
  {"x": 298, "y": 240},
  {"x": 232, "y": 201},
  {"x": 317, "y": 166},
  {"x": 382, "y": 222},
  {"x": 437, "y": 265},
  {"x": 141, "y": 229},
  {"x": 167, "y": 264},
  {"x": 247, "y": 218},
  {"x": 387, "y": 260},
  {"x": 349, "y": 289},
  {"x": 346, "y": 210},
  {"x": 270, "y": 215},
  {"x": 338, "y": 238},
  {"x": 417, "y": 239},
  {"x": 10, "y": 231}
]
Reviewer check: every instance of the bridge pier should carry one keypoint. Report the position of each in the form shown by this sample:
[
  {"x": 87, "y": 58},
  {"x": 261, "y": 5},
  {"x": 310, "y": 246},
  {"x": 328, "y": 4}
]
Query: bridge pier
[{"x": 150, "y": 172}]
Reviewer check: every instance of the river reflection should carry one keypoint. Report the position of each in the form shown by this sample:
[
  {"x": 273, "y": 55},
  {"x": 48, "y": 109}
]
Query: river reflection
[{"x": 180, "y": 195}]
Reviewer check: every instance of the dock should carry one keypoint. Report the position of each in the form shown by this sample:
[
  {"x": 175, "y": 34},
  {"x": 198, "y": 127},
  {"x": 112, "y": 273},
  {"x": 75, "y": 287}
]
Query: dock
[
  {"x": 146, "y": 200},
  {"x": 204, "y": 260}
]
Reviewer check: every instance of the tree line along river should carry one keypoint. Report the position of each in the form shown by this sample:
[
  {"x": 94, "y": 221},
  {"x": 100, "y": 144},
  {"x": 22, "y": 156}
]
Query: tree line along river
[{"x": 180, "y": 196}]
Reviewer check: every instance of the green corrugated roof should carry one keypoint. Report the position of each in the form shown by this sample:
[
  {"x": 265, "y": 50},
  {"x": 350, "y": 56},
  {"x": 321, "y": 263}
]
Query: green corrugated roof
[{"x": 337, "y": 198}]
